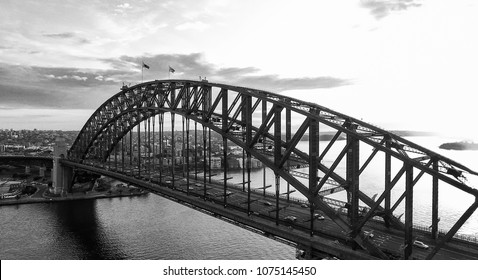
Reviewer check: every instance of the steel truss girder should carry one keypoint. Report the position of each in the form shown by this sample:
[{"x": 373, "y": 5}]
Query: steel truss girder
[
  {"x": 320, "y": 204},
  {"x": 142, "y": 101},
  {"x": 294, "y": 104}
]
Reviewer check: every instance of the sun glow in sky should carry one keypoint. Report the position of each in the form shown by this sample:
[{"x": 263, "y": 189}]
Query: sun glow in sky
[{"x": 396, "y": 64}]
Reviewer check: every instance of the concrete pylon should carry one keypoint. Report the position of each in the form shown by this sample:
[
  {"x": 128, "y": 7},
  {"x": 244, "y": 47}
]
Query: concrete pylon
[
  {"x": 61, "y": 175},
  {"x": 27, "y": 169}
]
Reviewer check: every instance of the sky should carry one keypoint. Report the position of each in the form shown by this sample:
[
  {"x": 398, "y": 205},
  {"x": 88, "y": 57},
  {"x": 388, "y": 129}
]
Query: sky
[{"x": 396, "y": 64}]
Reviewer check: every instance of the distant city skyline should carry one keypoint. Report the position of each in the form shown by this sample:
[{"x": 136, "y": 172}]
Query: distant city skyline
[{"x": 401, "y": 65}]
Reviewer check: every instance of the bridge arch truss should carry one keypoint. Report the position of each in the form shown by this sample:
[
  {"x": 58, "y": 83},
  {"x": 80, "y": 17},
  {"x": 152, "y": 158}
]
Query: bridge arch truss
[{"x": 272, "y": 128}]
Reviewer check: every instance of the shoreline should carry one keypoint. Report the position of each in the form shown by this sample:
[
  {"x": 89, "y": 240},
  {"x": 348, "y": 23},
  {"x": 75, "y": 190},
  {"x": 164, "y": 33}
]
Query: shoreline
[{"x": 41, "y": 197}]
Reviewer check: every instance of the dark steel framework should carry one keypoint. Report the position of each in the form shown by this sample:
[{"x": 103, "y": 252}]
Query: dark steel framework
[{"x": 269, "y": 127}]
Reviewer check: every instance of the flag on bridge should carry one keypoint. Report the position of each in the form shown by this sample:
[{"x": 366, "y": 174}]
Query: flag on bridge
[
  {"x": 143, "y": 65},
  {"x": 171, "y": 69}
]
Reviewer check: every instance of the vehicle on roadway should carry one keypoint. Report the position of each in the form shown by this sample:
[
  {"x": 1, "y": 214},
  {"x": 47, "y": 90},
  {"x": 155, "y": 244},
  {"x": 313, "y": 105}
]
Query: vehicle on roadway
[
  {"x": 319, "y": 217},
  {"x": 291, "y": 219},
  {"x": 368, "y": 234},
  {"x": 420, "y": 244},
  {"x": 267, "y": 203}
]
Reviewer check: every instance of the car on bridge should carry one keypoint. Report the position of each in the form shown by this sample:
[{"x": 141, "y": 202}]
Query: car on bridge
[
  {"x": 368, "y": 234},
  {"x": 420, "y": 244},
  {"x": 319, "y": 217},
  {"x": 291, "y": 219}
]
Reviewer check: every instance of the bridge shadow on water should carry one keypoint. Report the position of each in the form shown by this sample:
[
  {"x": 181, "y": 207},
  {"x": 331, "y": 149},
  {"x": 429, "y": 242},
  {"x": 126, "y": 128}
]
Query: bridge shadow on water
[{"x": 78, "y": 222}]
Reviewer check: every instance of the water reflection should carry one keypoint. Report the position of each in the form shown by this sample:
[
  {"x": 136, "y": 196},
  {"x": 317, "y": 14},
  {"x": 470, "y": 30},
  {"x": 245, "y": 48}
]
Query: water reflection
[{"x": 78, "y": 222}]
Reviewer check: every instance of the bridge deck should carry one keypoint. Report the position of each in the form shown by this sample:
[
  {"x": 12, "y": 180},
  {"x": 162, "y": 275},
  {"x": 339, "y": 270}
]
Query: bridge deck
[{"x": 328, "y": 237}]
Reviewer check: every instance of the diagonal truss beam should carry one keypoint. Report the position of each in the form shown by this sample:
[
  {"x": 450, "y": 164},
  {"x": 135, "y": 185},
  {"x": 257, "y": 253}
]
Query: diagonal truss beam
[
  {"x": 369, "y": 159},
  {"x": 214, "y": 105},
  {"x": 265, "y": 125},
  {"x": 229, "y": 111},
  {"x": 234, "y": 119},
  {"x": 331, "y": 143},
  {"x": 399, "y": 200},
  {"x": 376, "y": 205},
  {"x": 179, "y": 97},
  {"x": 332, "y": 168},
  {"x": 293, "y": 142}
]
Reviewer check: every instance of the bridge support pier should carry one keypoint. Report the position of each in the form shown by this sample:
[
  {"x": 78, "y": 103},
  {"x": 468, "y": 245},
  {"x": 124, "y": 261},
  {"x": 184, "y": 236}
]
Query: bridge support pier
[
  {"x": 27, "y": 169},
  {"x": 61, "y": 175}
]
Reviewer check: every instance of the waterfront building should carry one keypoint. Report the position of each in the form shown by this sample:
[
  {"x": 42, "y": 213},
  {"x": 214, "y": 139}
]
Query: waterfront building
[{"x": 215, "y": 162}]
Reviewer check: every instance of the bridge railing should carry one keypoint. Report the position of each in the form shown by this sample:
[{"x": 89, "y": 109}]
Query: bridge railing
[{"x": 458, "y": 236}]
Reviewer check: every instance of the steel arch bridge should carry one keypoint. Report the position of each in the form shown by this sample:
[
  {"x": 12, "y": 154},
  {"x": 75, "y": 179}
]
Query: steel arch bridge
[{"x": 272, "y": 128}]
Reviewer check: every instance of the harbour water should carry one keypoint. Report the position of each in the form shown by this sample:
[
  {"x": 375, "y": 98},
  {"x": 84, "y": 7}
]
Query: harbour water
[
  {"x": 144, "y": 227},
  {"x": 152, "y": 227}
]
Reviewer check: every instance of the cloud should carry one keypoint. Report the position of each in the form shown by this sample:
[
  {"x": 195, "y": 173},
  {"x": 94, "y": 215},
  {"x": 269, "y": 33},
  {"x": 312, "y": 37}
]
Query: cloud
[
  {"x": 27, "y": 96},
  {"x": 78, "y": 78},
  {"x": 67, "y": 35},
  {"x": 65, "y": 77},
  {"x": 56, "y": 87},
  {"x": 122, "y": 8},
  {"x": 83, "y": 41},
  {"x": 277, "y": 84},
  {"x": 71, "y": 77},
  {"x": 382, "y": 8},
  {"x": 48, "y": 87},
  {"x": 57, "y": 119},
  {"x": 235, "y": 71},
  {"x": 191, "y": 66},
  {"x": 64, "y": 35},
  {"x": 194, "y": 25}
]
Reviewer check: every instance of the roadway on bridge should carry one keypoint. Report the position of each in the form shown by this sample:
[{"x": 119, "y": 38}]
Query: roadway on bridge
[
  {"x": 327, "y": 235},
  {"x": 388, "y": 240}
]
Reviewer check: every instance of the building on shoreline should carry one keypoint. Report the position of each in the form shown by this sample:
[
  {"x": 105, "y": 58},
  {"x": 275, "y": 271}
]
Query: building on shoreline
[{"x": 10, "y": 189}]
